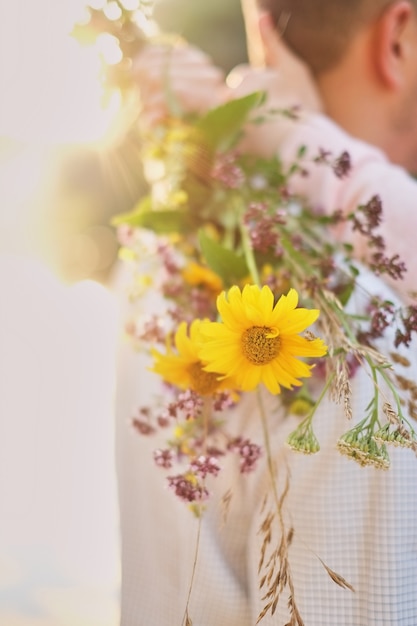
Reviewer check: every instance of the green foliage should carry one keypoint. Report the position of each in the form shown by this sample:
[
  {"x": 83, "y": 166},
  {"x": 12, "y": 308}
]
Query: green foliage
[
  {"x": 226, "y": 263},
  {"x": 222, "y": 126},
  {"x": 162, "y": 221}
]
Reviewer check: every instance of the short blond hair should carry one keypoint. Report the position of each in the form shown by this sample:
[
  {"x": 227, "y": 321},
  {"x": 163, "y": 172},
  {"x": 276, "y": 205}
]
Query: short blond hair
[{"x": 319, "y": 31}]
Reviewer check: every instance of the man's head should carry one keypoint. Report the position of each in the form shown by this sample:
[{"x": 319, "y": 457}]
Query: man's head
[
  {"x": 363, "y": 54},
  {"x": 320, "y": 31}
]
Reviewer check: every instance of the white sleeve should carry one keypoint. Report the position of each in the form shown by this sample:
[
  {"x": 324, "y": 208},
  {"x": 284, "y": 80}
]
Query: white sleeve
[{"x": 371, "y": 174}]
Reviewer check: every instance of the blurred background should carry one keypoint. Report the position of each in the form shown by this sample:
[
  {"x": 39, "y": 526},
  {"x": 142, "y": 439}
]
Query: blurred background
[{"x": 69, "y": 161}]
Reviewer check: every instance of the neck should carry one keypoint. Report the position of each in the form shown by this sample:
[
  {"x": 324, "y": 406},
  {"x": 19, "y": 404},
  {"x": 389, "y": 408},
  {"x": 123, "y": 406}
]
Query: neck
[
  {"x": 350, "y": 101},
  {"x": 353, "y": 98}
]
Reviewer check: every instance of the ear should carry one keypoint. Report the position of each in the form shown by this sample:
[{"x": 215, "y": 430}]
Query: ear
[
  {"x": 393, "y": 43},
  {"x": 271, "y": 44}
]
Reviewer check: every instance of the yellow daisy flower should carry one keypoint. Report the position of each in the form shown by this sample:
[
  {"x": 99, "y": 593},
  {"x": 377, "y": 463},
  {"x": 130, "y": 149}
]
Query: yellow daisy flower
[
  {"x": 198, "y": 275},
  {"x": 258, "y": 342},
  {"x": 183, "y": 367}
]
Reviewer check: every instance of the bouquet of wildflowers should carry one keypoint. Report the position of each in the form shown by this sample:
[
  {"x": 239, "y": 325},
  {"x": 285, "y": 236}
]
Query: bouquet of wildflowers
[
  {"x": 254, "y": 293},
  {"x": 257, "y": 295}
]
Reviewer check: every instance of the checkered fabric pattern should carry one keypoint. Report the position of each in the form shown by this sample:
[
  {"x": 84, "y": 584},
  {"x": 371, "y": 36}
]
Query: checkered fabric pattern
[{"x": 361, "y": 522}]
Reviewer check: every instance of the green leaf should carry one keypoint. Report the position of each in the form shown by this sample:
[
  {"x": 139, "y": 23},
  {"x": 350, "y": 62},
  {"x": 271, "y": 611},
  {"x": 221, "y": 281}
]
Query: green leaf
[
  {"x": 301, "y": 152},
  {"x": 353, "y": 270},
  {"x": 161, "y": 221},
  {"x": 346, "y": 293},
  {"x": 129, "y": 217},
  {"x": 223, "y": 125},
  {"x": 230, "y": 266}
]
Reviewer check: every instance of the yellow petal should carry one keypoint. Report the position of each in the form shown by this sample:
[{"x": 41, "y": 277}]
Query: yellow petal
[
  {"x": 299, "y": 346},
  {"x": 259, "y": 304},
  {"x": 248, "y": 378},
  {"x": 284, "y": 306},
  {"x": 298, "y": 320},
  {"x": 287, "y": 375},
  {"x": 270, "y": 380},
  {"x": 183, "y": 343},
  {"x": 231, "y": 308}
]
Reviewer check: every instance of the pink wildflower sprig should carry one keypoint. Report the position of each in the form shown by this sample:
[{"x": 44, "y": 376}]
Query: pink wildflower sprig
[
  {"x": 249, "y": 453},
  {"x": 187, "y": 488},
  {"x": 227, "y": 171},
  {"x": 188, "y": 301},
  {"x": 404, "y": 336},
  {"x": 204, "y": 465},
  {"x": 367, "y": 218},
  {"x": 341, "y": 165},
  {"x": 163, "y": 458},
  {"x": 262, "y": 223},
  {"x": 150, "y": 330},
  {"x": 384, "y": 315}
]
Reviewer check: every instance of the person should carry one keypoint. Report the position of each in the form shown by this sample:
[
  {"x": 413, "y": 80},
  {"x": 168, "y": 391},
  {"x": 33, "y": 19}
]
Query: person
[
  {"x": 377, "y": 65},
  {"x": 360, "y": 522}
]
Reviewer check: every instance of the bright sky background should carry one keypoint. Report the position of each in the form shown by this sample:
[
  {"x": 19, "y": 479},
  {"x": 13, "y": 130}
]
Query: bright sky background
[
  {"x": 59, "y": 561},
  {"x": 49, "y": 83},
  {"x": 52, "y": 95}
]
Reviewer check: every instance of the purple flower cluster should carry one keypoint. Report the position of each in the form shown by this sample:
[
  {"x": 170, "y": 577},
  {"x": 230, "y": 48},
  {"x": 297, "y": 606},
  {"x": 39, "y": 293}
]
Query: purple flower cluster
[
  {"x": 167, "y": 256},
  {"x": 382, "y": 314},
  {"x": 223, "y": 401},
  {"x": 142, "y": 422},
  {"x": 262, "y": 227},
  {"x": 187, "y": 488},
  {"x": 189, "y": 403},
  {"x": 249, "y": 453},
  {"x": 204, "y": 465},
  {"x": 163, "y": 458},
  {"x": 365, "y": 221},
  {"x": 152, "y": 330},
  {"x": 227, "y": 171},
  {"x": 341, "y": 165},
  {"x": 409, "y": 322}
]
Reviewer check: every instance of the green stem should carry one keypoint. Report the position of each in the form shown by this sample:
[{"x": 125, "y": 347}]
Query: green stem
[
  {"x": 310, "y": 416},
  {"x": 249, "y": 256},
  {"x": 396, "y": 398},
  {"x": 374, "y": 417}
]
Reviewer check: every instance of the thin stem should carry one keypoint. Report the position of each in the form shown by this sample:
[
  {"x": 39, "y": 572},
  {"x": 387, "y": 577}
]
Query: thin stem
[
  {"x": 206, "y": 414},
  {"x": 186, "y": 618},
  {"x": 250, "y": 257},
  {"x": 207, "y": 409},
  {"x": 285, "y": 566},
  {"x": 396, "y": 398},
  {"x": 374, "y": 417},
  {"x": 393, "y": 391},
  {"x": 310, "y": 416},
  {"x": 268, "y": 450}
]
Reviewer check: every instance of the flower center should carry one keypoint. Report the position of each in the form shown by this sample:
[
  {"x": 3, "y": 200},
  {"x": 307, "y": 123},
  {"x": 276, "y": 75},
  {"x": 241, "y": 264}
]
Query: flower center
[
  {"x": 204, "y": 383},
  {"x": 260, "y": 344}
]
